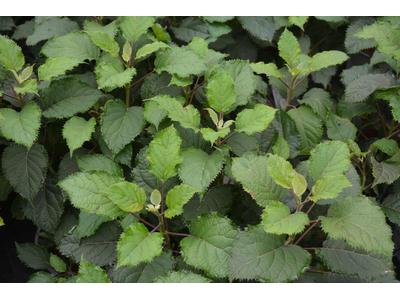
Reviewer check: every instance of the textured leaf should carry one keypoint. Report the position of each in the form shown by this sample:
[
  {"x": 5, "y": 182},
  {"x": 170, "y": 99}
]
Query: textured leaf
[
  {"x": 41, "y": 277},
  {"x": 340, "y": 129},
  {"x": 10, "y": 54},
  {"x": 280, "y": 170},
  {"x": 199, "y": 46},
  {"x": 289, "y": 48},
  {"x": 182, "y": 276},
  {"x": 329, "y": 159},
  {"x": 153, "y": 113},
  {"x": 252, "y": 172},
  {"x": 88, "y": 224},
  {"x": 211, "y": 135},
  {"x": 390, "y": 147},
  {"x": 221, "y": 92},
  {"x": 350, "y": 218},
  {"x": 190, "y": 28},
  {"x": 98, "y": 162},
  {"x": 188, "y": 116},
  {"x": 29, "y": 86},
  {"x": 67, "y": 97},
  {"x": 176, "y": 198},
  {"x": 77, "y": 131},
  {"x": 385, "y": 172},
  {"x": 353, "y": 44},
  {"x": 198, "y": 169},
  {"x": 134, "y": 27},
  {"x": 180, "y": 61},
  {"x": 260, "y": 27},
  {"x": 393, "y": 97},
  {"x": 209, "y": 245},
  {"x": 120, "y": 125},
  {"x": 22, "y": 127},
  {"x": 57, "y": 263},
  {"x": 104, "y": 41},
  {"x": 327, "y": 58},
  {"x": 90, "y": 273},
  {"x": 34, "y": 256},
  {"x": 257, "y": 254},
  {"x": 164, "y": 154},
  {"x": 111, "y": 77},
  {"x": 128, "y": 196},
  {"x": 74, "y": 44},
  {"x": 391, "y": 208},
  {"x": 299, "y": 21},
  {"x": 254, "y": 120},
  {"x": 299, "y": 184},
  {"x": 25, "y": 169},
  {"x": 240, "y": 143},
  {"x": 347, "y": 260},
  {"x": 159, "y": 84},
  {"x": 85, "y": 191},
  {"x": 137, "y": 245},
  {"x": 277, "y": 219},
  {"x": 150, "y": 48},
  {"x": 54, "y": 67},
  {"x": 329, "y": 187},
  {"x": 268, "y": 69}
]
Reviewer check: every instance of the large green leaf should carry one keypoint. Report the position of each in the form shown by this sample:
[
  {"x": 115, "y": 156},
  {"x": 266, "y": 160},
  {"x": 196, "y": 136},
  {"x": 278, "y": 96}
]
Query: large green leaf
[
  {"x": 111, "y": 77},
  {"x": 11, "y": 54},
  {"x": 209, "y": 245},
  {"x": 137, "y": 245},
  {"x": 120, "y": 125},
  {"x": 327, "y": 58},
  {"x": 105, "y": 42},
  {"x": 262, "y": 28},
  {"x": 150, "y": 48},
  {"x": 221, "y": 92},
  {"x": 54, "y": 67},
  {"x": 289, "y": 48},
  {"x": 177, "y": 197},
  {"x": 268, "y": 69},
  {"x": 350, "y": 218},
  {"x": 198, "y": 169},
  {"x": 34, "y": 256},
  {"x": 90, "y": 273},
  {"x": 280, "y": 170},
  {"x": 134, "y": 27},
  {"x": 77, "y": 131},
  {"x": 257, "y": 254},
  {"x": 88, "y": 224},
  {"x": 340, "y": 129},
  {"x": 329, "y": 187},
  {"x": 128, "y": 196},
  {"x": 98, "y": 162},
  {"x": 182, "y": 276},
  {"x": 25, "y": 168},
  {"x": 254, "y": 120},
  {"x": 385, "y": 172},
  {"x": 22, "y": 127}
]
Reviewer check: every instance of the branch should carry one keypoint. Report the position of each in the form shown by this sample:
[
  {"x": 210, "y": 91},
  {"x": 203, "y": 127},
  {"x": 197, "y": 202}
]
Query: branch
[
  {"x": 143, "y": 220},
  {"x": 141, "y": 79},
  {"x": 195, "y": 87},
  {"x": 178, "y": 234},
  {"x": 228, "y": 137},
  {"x": 307, "y": 231}
]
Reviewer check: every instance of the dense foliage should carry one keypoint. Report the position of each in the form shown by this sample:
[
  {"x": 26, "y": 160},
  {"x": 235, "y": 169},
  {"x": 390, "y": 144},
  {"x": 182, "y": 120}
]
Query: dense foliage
[{"x": 203, "y": 149}]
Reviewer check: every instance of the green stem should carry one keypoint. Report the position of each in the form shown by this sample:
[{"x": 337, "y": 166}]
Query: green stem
[
  {"x": 164, "y": 232},
  {"x": 289, "y": 97}
]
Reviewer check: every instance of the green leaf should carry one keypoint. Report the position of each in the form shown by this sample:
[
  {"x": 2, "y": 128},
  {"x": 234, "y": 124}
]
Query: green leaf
[
  {"x": 11, "y": 54},
  {"x": 257, "y": 254},
  {"x": 329, "y": 159},
  {"x": 353, "y": 44},
  {"x": 359, "y": 89},
  {"x": 128, "y": 196},
  {"x": 262, "y": 28},
  {"x": 57, "y": 263},
  {"x": 340, "y": 129},
  {"x": 198, "y": 169},
  {"x": 332, "y": 19},
  {"x": 241, "y": 143},
  {"x": 350, "y": 218},
  {"x": 160, "y": 33},
  {"x": 327, "y": 58},
  {"x": 164, "y": 154},
  {"x": 254, "y": 120},
  {"x": 182, "y": 276},
  {"x": 299, "y": 184},
  {"x": 150, "y": 48},
  {"x": 77, "y": 131},
  {"x": 280, "y": 170},
  {"x": 134, "y": 27},
  {"x": 180, "y": 61},
  {"x": 289, "y": 47},
  {"x": 212, "y": 135},
  {"x": 34, "y": 256},
  {"x": 111, "y": 77},
  {"x": 268, "y": 69},
  {"x": 176, "y": 198},
  {"x": 252, "y": 172},
  {"x": 281, "y": 148},
  {"x": 105, "y": 42},
  {"x": 74, "y": 44},
  {"x": 329, "y": 187},
  {"x": 85, "y": 191},
  {"x": 98, "y": 162},
  {"x": 391, "y": 208},
  {"x": 199, "y": 46},
  {"x": 29, "y": 86},
  {"x": 50, "y": 28},
  {"x": 22, "y": 127},
  {"x": 120, "y": 125},
  {"x": 159, "y": 84},
  {"x": 385, "y": 172},
  {"x": 5, "y": 187},
  {"x": 277, "y": 219},
  {"x": 188, "y": 116},
  {"x": 221, "y": 92},
  {"x": 41, "y": 277},
  {"x": 88, "y": 224},
  {"x": 25, "y": 168},
  {"x": 67, "y": 97},
  {"x": 393, "y": 97},
  {"x": 137, "y": 245},
  {"x": 387, "y": 146},
  {"x": 90, "y": 273},
  {"x": 111, "y": 29},
  {"x": 180, "y": 81},
  {"x": 153, "y": 113},
  {"x": 299, "y": 21},
  {"x": 209, "y": 245}
]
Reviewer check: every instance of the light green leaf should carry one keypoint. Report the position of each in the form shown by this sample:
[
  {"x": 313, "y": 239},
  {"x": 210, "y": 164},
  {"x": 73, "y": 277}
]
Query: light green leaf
[
  {"x": 182, "y": 276},
  {"x": 111, "y": 77},
  {"x": 212, "y": 135},
  {"x": 160, "y": 33},
  {"x": 327, "y": 58},
  {"x": 277, "y": 219},
  {"x": 199, "y": 46},
  {"x": 105, "y": 42},
  {"x": 180, "y": 81},
  {"x": 198, "y": 169},
  {"x": 137, "y": 245},
  {"x": 128, "y": 196},
  {"x": 164, "y": 154},
  {"x": 340, "y": 129},
  {"x": 150, "y": 48},
  {"x": 329, "y": 159},
  {"x": 77, "y": 131},
  {"x": 21, "y": 127},
  {"x": 298, "y": 21},
  {"x": 391, "y": 208},
  {"x": 99, "y": 162},
  {"x": 262, "y": 28},
  {"x": 350, "y": 218},
  {"x": 29, "y": 86},
  {"x": 134, "y": 27},
  {"x": 11, "y": 54},
  {"x": 281, "y": 148},
  {"x": 111, "y": 29},
  {"x": 221, "y": 92},
  {"x": 57, "y": 263},
  {"x": 269, "y": 69},
  {"x": 329, "y": 187},
  {"x": 254, "y": 120},
  {"x": 252, "y": 172},
  {"x": 257, "y": 254},
  {"x": 176, "y": 198},
  {"x": 299, "y": 184},
  {"x": 209, "y": 246},
  {"x": 120, "y": 125},
  {"x": 90, "y": 273},
  {"x": 180, "y": 61},
  {"x": 188, "y": 116},
  {"x": 280, "y": 170},
  {"x": 54, "y": 67},
  {"x": 289, "y": 47}
]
